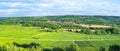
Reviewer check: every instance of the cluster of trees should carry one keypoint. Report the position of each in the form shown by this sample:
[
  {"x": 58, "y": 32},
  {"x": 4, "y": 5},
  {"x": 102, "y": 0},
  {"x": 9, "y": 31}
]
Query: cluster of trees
[
  {"x": 52, "y": 25},
  {"x": 38, "y": 22},
  {"x": 31, "y": 45},
  {"x": 111, "y": 48},
  {"x": 72, "y": 47},
  {"x": 108, "y": 31},
  {"x": 114, "y": 48},
  {"x": 99, "y": 31}
]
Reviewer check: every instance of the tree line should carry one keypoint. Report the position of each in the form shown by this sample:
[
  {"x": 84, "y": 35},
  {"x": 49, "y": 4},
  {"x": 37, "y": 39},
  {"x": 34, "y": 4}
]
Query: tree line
[{"x": 97, "y": 31}]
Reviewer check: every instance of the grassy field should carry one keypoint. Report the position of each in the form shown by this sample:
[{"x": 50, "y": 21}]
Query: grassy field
[
  {"x": 19, "y": 34},
  {"x": 29, "y": 33}
]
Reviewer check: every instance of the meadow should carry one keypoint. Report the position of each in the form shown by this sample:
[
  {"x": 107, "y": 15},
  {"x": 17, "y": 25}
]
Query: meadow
[
  {"x": 35, "y": 33},
  {"x": 26, "y": 35}
]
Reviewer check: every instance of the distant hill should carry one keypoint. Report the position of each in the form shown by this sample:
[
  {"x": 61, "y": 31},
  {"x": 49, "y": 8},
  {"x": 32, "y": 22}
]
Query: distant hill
[
  {"x": 102, "y": 20},
  {"x": 77, "y": 19}
]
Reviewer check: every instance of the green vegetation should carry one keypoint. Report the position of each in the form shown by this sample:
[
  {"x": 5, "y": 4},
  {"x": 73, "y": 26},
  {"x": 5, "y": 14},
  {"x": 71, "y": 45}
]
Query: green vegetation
[
  {"x": 35, "y": 33},
  {"x": 24, "y": 36},
  {"x": 70, "y": 19},
  {"x": 68, "y": 22},
  {"x": 106, "y": 45},
  {"x": 60, "y": 33}
]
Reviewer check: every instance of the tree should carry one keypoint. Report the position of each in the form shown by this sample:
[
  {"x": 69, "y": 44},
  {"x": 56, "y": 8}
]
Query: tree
[
  {"x": 115, "y": 31},
  {"x": 70, "y": 30},
  {"x": 103, "y": 32},
  {"x": 83, "y": 31},
  {"x": 97, "y": 32},
  {"x": 76, "y": 31},
  {"x": 86, "y": 31}
]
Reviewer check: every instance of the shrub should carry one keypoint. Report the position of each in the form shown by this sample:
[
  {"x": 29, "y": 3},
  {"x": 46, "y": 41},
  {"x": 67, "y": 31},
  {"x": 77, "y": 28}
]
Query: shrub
[
  {"x": 57, "y": 49},
  {"x": 86, "y": 31},
  {"x": 114, "y": 48},
  {"x": 26, "y": 45},
  {"x": 115, "y": 31},
  {"x": 46, "y": 49},
  {"x": 72, "y": 47},
  {"x": 102, "y": 49},
  {"x": 3, "y": 48}
]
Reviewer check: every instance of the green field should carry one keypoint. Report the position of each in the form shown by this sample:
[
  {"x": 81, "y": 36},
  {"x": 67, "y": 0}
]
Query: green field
[
  {"x": 30, "y": 33},
  {"x": 20, "y": 34}
]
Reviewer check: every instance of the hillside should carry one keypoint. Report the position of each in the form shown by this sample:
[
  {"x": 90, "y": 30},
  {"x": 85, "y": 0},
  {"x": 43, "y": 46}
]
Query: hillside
[
  {"x": 25, "y": 37},
  {"x": 105, "y": 20},
  {"x": 99, "y": 20},
  {"x": 60, "y": 33}
]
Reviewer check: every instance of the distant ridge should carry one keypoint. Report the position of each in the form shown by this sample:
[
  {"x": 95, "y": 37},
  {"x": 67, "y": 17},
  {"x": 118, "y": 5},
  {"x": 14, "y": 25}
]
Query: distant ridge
[{"x": 77, "y": 19}]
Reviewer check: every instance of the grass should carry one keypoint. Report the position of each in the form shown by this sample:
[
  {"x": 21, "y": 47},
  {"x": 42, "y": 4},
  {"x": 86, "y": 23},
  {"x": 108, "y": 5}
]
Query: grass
[
  {"x": 29, "y": 33},
  {"x": 20, "y": 34},
  {"x": 97, "y": 44}
]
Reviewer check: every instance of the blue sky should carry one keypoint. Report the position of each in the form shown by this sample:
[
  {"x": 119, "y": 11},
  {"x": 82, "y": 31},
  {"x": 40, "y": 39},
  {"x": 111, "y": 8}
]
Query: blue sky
[{"x": 59, "y": 7}]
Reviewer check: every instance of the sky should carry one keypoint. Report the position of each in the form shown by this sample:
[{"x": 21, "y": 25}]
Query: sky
[{"x": 9, "y": 8}]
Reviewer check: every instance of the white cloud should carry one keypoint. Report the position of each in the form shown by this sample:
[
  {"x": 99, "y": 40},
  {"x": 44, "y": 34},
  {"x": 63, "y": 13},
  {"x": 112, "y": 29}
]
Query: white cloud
[
  {"x": 62, "y": 7},
  {"x": 44, "y": 5},
  {"x": 10, "y": 11},
  {"x": 14, "y": 4}
]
